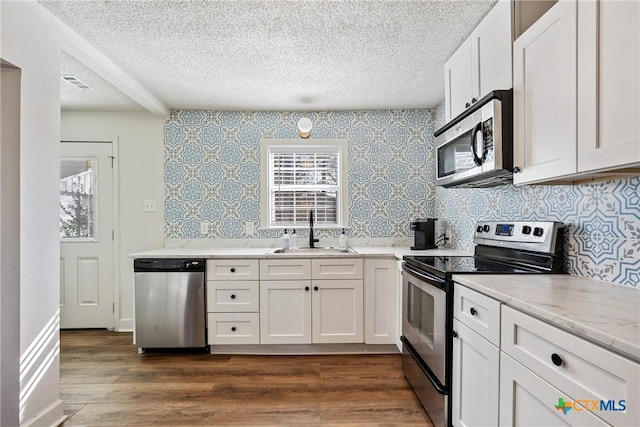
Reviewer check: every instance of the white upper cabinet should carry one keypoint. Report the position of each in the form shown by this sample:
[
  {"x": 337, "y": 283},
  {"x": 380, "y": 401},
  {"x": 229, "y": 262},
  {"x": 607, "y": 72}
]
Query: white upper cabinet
[
  {"x": 544, "y": 96},
  {"x": 608, "y": 84},
  {"x": 482, "y": 63},
  {"x": 576, "y": 75},
  {"x": 458, "y": 81}
]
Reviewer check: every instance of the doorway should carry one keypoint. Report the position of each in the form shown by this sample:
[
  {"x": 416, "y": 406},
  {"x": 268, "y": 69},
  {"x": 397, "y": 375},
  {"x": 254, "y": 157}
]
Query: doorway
[{"x": 87, "y": 235}]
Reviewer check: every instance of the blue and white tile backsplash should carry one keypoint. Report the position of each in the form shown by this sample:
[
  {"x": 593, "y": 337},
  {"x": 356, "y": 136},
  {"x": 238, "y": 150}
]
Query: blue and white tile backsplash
[{"x": 212, "y": 175}]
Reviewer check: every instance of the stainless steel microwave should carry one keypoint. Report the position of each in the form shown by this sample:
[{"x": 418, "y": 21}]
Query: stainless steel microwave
[{"x": 476, "y": 148}]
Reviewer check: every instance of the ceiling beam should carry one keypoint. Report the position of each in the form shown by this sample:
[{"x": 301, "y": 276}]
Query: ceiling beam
[{"x": 95, "y": 60}]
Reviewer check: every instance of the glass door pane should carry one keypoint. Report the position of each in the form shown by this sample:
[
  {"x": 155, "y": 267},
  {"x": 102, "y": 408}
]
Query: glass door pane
[{"x": 78, "y": 198}]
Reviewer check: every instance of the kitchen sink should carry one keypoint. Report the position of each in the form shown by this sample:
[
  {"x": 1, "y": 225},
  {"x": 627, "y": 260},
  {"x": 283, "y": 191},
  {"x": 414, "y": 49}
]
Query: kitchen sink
[{"x": 312, "y": 251}]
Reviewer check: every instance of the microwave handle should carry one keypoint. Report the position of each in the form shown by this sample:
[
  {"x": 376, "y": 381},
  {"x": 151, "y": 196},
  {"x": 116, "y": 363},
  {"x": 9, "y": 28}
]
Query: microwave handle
[{"x": 476, "y": 159}]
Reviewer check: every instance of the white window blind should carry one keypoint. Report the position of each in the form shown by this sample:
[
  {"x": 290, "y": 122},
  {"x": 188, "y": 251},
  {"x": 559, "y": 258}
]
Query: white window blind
[{"x": 301, "y": 179}]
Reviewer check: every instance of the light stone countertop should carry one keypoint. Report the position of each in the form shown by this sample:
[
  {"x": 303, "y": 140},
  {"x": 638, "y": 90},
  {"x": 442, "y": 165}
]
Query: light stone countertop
[
  {"x": 602, "y": 312},
  {"x": 361, "y": 252}
]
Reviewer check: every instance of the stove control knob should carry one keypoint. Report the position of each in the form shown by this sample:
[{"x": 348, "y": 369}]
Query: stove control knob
[
  {"x": 526, "y": 229},
  {"x": 479, "y": 229},
  {"x": 538, "y": 231},
  {"x": 485, "y": 228}
]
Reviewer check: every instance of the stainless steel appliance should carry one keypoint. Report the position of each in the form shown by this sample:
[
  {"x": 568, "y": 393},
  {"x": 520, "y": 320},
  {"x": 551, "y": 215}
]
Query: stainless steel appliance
[
  {"x": 170, "y": 305},
  {"x": 427, "y": 307},
  {"x": 424, "y": 233},
  {"x": 476, "y": 148}
]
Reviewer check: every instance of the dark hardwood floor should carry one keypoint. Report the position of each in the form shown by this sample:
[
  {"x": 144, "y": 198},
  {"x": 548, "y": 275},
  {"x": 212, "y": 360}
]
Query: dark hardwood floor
[{"x": 105, "y": 382}]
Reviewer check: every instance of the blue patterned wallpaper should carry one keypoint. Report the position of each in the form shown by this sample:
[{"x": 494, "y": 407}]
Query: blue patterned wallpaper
[
  {"x": 603, "y": 219},
  {"x": 212, "y": 169},
  {"x": 212, "y": 175}
]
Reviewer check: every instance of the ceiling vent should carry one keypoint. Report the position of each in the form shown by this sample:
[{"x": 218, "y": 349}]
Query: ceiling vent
[{"x": 71, "y": 79}]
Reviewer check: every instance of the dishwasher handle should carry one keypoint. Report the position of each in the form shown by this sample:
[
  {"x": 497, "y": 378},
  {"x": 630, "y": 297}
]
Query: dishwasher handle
[{"x": 164, "y": 265}]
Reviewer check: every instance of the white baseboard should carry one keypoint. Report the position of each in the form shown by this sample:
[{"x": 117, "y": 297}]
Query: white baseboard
[
  {"x": 52, "y": 415},
  {"x": 125, "y": 325}
]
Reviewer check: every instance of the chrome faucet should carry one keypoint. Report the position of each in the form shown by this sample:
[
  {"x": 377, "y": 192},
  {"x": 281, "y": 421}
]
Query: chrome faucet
[{"x": 312, "y": 241}]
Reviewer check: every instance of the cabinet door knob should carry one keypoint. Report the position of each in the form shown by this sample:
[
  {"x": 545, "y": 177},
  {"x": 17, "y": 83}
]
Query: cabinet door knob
[
  {"x": 516, "y": 169},
  {"x": 473, "y": 100},
  {"x": 306, "y": 288},
  {"x": 467, "y": 105},
  {"x": 233, "y": 270},
  {"x": 315, "y": 288},
  {"x": 556, "y": 359},
  {"x": 233, "y": 296},
  {"x": 455, "y": 334},
  {"x": 473, "y": 311},
  {"x": 233, "y": 329}
]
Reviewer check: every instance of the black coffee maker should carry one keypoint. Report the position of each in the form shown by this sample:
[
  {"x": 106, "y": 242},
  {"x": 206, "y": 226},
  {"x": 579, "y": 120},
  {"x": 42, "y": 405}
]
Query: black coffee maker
[{"x": 424, "y": 233}]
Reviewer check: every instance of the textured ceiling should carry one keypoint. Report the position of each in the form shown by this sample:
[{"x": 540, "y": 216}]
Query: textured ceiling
[{"x": 277, "y": 55}]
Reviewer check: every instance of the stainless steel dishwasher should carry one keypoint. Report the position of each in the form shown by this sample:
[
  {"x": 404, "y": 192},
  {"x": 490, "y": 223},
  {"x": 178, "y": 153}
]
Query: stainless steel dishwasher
[{"x": 170, "y": 303}]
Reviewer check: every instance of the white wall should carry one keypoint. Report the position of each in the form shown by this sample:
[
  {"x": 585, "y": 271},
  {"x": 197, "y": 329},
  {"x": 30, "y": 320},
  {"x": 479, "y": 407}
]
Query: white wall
[
  {"x": 30, "y": 41},
  {"x": 141, "y": 176}
]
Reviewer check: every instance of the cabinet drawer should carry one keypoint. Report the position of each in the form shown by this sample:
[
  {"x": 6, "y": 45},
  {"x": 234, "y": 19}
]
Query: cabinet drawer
[
  {"x": 582, "y": 370},
  {"x": 478, "y": 312},
  {"x": 232, "y": 269},
  {"x": 233, "y": 328},
  {"x": 285, "y": 269},
  {"x": 337, "y": 268},
  {"x": 233, "y": 296}
]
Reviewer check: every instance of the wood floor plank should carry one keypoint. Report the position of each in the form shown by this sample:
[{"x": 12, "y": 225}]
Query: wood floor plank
[{"x": 105, "y": 382}]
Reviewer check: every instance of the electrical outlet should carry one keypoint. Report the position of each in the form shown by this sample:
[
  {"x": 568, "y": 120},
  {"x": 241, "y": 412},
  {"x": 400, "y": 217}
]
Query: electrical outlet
[
  {"x": 204, "y": 228},
  {"x": 149, "y": 205}
]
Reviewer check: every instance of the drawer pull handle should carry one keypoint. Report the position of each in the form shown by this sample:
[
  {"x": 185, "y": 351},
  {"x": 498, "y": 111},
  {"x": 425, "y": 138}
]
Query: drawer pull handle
[
  {"x": 315, "y": 288},
  {"x": 306, "y": 288},
  {"x": 556, "y": 359},
  {"x": 233, "y": 296},
  {"x": 473, "y": 311},
  {"x": 233, "y": 329},
  {"x": 233, "y": 270}
]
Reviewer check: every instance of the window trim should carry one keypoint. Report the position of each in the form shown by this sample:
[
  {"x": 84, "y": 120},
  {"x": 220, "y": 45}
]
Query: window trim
[{"x": 343, "y": 199}]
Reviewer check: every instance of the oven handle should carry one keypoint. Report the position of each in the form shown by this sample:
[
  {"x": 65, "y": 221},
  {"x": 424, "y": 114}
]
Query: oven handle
[
  {"x": 423, "y": 275},
  {"x": 425, "y": 369}
]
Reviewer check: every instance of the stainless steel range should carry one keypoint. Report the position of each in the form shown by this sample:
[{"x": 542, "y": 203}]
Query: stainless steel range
[{"x": 502, "y": 247}]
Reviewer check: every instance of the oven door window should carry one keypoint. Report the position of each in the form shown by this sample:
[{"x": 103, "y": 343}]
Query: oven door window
[
  {"x": 456, "y": 156},
  {"x": 421, "y": 313}
]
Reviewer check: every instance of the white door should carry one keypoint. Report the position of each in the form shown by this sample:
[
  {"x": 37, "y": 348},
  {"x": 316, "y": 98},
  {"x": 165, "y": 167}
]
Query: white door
[
  {"x": 544, "y": 97},
  {"x": 86, "y": 235},
  {"x": 285, "y": 312},
  {"x": 337, "y": 311},
  {"x": 476, "y": 373}
]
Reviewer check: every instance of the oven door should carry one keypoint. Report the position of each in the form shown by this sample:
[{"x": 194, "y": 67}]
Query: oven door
[{"x": 424, "y": 321}]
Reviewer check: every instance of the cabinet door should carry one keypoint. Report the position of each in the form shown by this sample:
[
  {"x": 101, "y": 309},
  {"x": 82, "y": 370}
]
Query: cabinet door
[
  {"x": 544, "y": 92},
  {"x": 491, "y": 47},
  {"x": 458, "y": 86},
  {"x": 528, "y": 400},
  {"x": 285, "y": 312},
  {"x": 337, "y": 313},
  {"x": 381, "y": 306},
  {"x": 475, "y": 379},
  {"x": 608, "y": 84}
]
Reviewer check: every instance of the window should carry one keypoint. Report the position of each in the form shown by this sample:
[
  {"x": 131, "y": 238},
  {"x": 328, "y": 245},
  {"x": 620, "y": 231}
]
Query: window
[{"x": 301, "y": 178}]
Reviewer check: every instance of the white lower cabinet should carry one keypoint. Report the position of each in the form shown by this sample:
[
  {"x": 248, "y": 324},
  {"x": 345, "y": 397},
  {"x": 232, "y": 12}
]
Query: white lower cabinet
[
  {"x": 381, "y": 315},
  {"x": 582, "y": 371},
  {"x": 528, "y": 400},
  {"x": 476, "y": 359},
  {"x": 476, "y": 368},
  {"x": 325, "y": 306},
  {"x": 285, "y": 312},
  {"x": 534, "y": 372}
]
